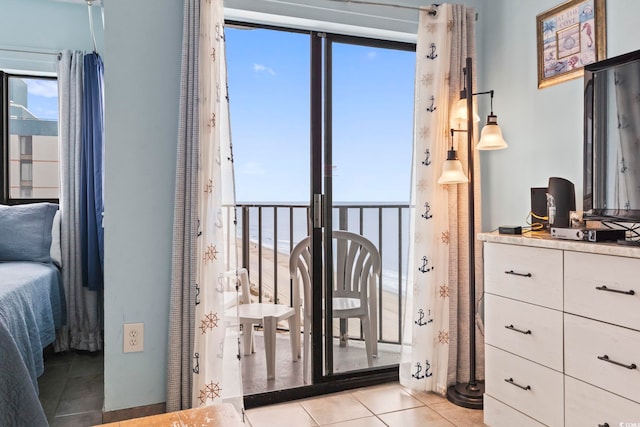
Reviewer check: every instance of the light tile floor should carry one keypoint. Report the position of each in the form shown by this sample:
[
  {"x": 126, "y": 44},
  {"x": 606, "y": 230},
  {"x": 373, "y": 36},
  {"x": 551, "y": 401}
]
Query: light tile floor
[
  {"x": 71, "y": 393},
  {"x": 387, "y": 405}
]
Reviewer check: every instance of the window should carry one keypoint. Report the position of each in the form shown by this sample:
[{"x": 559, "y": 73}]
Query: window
[
  {"x": 29, "y": 157},
  {"x": 26, "y": 146},
  {"x": 26, "y": 172},
  {"x": 26, "y": 192}
]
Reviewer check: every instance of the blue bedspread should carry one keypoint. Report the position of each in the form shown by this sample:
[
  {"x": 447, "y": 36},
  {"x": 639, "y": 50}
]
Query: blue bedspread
[{"x": 31, "y": 308}]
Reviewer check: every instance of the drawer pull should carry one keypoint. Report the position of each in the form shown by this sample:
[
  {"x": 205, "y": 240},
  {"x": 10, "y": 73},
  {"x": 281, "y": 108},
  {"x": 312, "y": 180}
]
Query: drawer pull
[
  {"x": 604, "y": 288},
  {"x": 603, "y": 425},
  {"x": 510, "y": 381},
  {"x": 513, "y": 328},
  {"x": 518, "y": 274},
  {"x": 606, "y": 359}
]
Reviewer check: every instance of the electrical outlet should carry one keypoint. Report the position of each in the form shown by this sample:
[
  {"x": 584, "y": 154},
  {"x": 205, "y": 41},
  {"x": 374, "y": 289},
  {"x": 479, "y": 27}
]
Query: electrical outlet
[{"x": 133, "y": 337}]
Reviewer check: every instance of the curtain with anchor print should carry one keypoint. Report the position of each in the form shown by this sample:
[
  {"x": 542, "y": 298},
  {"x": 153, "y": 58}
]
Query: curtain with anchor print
[
  {"x": 217, "y": 250},
  {"x": 436, "y": 315},
  {"x": 204, "y": 363}
]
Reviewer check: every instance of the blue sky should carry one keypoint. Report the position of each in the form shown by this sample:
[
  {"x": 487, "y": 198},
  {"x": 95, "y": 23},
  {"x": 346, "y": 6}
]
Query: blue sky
[
  {"x": 269, "y": 99},
  {"x": 43, "y": 98}
]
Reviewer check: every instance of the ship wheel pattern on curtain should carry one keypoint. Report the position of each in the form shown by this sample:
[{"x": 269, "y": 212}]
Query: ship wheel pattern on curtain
[
  {"x": 426, "y": 368},
  {"x": 216, "y": 220}
]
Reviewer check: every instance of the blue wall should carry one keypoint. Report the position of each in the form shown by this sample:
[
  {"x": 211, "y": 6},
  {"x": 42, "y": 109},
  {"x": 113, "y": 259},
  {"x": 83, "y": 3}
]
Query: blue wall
[
  {"x": 543, "y": 127},
  {"x": 47, "y": 26},
  {"x": 142, "y": 75}
]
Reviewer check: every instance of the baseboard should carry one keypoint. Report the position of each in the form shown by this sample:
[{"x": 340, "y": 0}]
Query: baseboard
[{"x": 137, "y": 412}]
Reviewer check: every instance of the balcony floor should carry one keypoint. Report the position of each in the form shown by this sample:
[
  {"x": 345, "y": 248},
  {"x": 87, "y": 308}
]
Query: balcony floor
[{"x": 289, "y": 373}]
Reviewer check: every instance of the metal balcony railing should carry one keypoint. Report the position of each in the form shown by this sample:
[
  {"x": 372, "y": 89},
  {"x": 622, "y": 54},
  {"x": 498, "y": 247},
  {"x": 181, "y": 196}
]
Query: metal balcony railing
[{"x": 269, "y": 231}]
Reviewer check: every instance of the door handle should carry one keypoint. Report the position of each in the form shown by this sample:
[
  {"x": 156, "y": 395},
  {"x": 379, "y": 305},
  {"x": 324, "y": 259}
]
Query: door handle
[{"x": 317, "y": 210}]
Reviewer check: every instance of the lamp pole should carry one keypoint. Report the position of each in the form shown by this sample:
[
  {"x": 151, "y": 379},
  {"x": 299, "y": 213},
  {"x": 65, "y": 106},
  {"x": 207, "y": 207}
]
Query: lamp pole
[{"x": 470, "y": 395}]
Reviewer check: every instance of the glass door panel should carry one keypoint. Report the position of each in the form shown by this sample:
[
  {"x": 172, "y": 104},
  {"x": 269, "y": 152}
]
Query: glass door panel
[
  {"x": 367, "y": 157},
  {"x": 268, "y": 77}
]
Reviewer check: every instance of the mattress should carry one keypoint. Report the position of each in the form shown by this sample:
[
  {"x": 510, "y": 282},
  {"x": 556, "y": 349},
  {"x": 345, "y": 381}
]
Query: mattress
[{"x": 31, "y": 308}]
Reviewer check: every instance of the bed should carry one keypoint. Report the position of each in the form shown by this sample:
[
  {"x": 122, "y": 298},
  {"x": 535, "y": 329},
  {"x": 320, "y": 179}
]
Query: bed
[{"x": 31, "y": 308}]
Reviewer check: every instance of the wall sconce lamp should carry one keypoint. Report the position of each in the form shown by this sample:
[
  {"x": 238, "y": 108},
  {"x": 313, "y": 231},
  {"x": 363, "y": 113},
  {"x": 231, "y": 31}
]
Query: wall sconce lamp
[{"x": 470, "y": 394}]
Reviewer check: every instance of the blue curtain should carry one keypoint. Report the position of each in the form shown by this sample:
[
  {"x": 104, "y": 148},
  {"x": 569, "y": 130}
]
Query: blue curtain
[{"x": 91, "y": 200}]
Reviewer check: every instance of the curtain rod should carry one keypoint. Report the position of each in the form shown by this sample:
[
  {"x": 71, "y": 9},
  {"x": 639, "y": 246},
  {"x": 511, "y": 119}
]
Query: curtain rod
[
  {"x": 432, "y": 10},
  {"x": 37, "y": 52},
  {"x": 93, "y": 36}
]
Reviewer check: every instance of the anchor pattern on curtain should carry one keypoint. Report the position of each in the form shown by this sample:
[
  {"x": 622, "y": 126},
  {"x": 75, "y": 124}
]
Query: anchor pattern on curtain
[
  {"x": 424, "y": 366},
  {"x": 215, "y": 224},
  {"x": 201, "y": 370},
  {"x": 438, "y": 271}
]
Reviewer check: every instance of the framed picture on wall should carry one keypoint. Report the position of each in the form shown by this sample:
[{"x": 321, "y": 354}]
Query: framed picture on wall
[{"x": 570, "y": 36}]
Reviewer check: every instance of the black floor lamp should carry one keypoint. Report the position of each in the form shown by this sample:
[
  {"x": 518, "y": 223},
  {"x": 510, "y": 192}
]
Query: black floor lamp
[{"x": 470, "y": 395}]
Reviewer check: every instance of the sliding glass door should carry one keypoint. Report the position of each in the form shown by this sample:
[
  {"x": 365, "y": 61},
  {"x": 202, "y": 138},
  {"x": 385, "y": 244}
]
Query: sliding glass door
[{"x": 322, "y": 134}]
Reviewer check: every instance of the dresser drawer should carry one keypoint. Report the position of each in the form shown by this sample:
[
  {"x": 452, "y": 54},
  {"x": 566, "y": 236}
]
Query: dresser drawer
[
  {"x": 586, "y": 272},
  {"x": 534, "y": 390},
  {"x": 587, "y": 341},
  {"x": 527, "y": 274},
  {"x": 497, "y": 414},
  {"x": 586, "y": 405},
  {"x": 527, "y": 330}
]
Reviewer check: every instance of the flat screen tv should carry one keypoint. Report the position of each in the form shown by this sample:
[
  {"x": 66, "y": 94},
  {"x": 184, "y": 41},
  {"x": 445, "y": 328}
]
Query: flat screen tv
[{"x": 611, "y": 186}]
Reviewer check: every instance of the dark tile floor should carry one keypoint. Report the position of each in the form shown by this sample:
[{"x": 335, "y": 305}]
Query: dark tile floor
[{"x": 72, "y": 388}]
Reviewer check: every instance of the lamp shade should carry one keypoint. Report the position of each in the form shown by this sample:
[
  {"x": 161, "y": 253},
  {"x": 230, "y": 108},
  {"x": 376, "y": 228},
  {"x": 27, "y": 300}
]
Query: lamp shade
[
  {"x": 460, "y": 112},
  {"x": 452, "y": 172},
  {"x": 491, "y": 136}
]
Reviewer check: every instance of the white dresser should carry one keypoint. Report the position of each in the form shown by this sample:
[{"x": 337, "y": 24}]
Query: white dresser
[{"x": 562, "y": 332}]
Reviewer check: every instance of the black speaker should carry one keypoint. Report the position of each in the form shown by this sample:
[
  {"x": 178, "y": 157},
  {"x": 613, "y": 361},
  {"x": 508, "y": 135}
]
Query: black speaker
[
  {"x": 561, "y": 199},
  {"x": 539, "y": 208}
]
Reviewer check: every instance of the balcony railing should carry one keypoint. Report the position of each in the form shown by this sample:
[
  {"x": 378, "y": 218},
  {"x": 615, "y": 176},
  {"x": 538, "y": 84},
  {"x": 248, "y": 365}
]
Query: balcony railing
[{"x": 269, "y": 231}]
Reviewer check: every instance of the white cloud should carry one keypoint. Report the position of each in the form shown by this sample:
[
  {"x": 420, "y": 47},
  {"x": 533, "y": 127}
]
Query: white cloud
[
  {"x": 45, "y": 88},
  {"x": 259, "y": 68},
  {"x": 371, "y": 54},
  {"x": 252, "y": 168}
]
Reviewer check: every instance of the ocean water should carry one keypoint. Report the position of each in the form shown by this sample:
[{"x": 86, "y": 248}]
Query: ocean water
[{"x": 387, "y": 226}]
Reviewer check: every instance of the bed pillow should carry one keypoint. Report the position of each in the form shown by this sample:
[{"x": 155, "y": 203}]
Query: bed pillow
[
  {"x": 56, "y": 248},
  {"x": 25, "y": 232}
]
